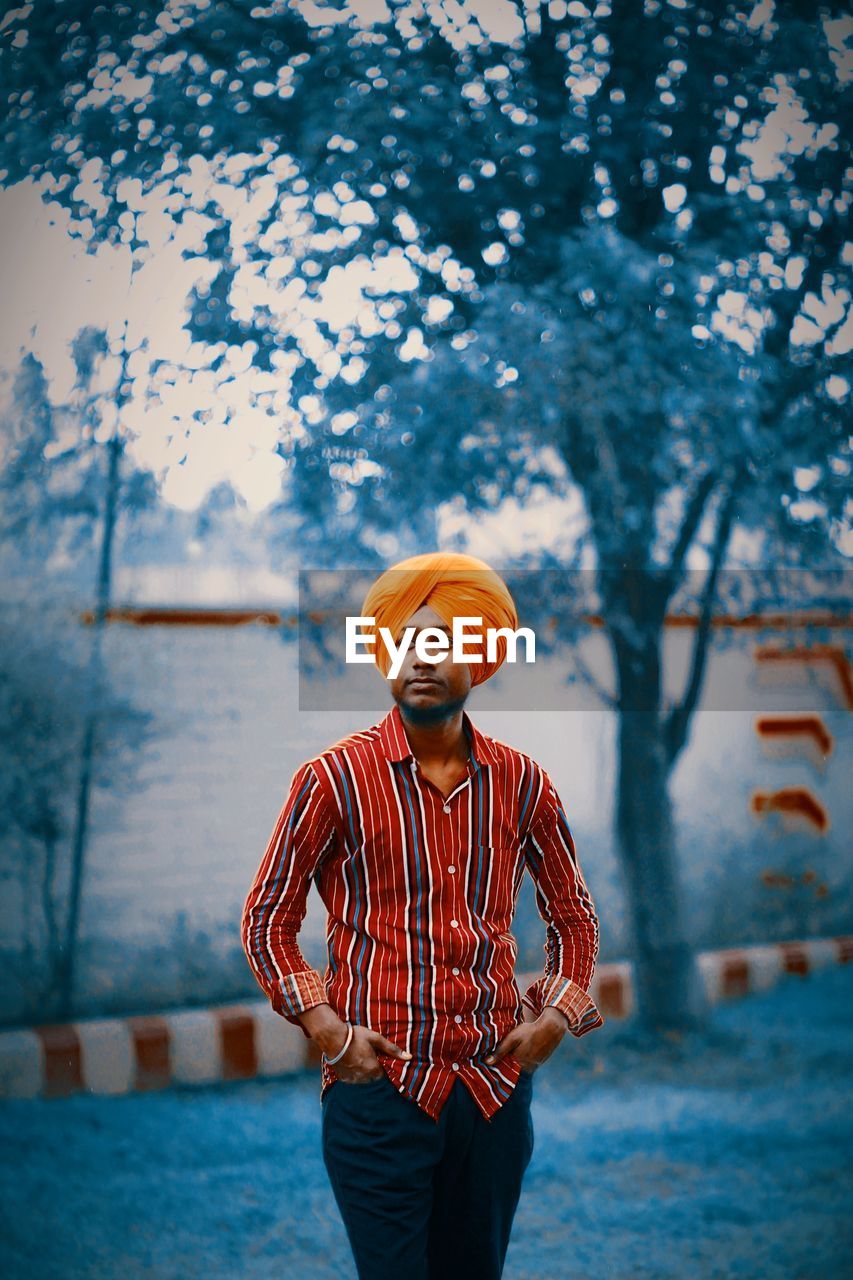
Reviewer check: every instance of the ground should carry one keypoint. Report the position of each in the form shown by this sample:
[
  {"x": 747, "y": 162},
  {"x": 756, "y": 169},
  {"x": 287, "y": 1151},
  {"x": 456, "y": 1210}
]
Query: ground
[{"x": 727, "y": 1155}]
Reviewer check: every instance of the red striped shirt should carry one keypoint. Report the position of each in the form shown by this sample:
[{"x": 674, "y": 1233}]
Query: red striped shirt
[{"x": 420, "y": 893}]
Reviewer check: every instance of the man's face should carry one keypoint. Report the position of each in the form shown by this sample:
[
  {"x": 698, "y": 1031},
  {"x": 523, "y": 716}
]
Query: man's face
[{"x": 430, "y": 691}]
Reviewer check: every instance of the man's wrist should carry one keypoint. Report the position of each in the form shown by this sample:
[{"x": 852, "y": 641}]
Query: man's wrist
[
  {"x": 325, "y": 1028},
  {"x": 552, "y": 1016}
]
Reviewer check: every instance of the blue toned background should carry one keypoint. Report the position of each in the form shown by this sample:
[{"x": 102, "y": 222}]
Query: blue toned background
[
  {"x": 173, "y": 845},
  {"x": 562, "y": 285},
  {"x": 727, "y": 1157}
]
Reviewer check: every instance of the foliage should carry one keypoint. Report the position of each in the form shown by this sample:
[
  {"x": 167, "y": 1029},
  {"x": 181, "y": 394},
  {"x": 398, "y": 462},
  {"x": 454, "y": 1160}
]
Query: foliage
[
  {"x": 45, "y": 698},
  {"x": 698, "y": 148},
  {"x": 52, "y": 481},
  {"x": 50, "y": 485},
  {"x": 52, "y": 470}
]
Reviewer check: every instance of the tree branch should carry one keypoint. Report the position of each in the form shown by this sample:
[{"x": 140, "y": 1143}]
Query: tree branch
[
  {"x": 592, "y": 682},
  {"x": 678, "y": 720},
  {"x": 610, "y": 469},
  {"x": 690, "y": 523}
]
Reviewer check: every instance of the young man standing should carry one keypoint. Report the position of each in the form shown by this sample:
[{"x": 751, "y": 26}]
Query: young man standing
[{"x": 417, "y": 832}]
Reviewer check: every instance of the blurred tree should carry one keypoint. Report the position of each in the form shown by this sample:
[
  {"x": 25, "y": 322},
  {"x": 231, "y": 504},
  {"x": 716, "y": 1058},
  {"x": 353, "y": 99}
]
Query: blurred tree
[
  {"x": 52, "y": 470},
  {"x": 54, "y": 489},
  {"x": 49, "y": 485},
  {"x": 472, "y": 240},
  {"x": 44, "y": 708},
  {"x": 223, "y": 525}
]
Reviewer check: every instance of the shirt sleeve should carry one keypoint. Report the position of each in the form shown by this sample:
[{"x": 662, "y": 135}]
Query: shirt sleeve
[
  {"x": 277, "y": 901},
  {"x": 565, "y": 905}
]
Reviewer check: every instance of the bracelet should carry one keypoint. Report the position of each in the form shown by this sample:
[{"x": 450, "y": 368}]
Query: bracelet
[{"x": 330, "y": 1062}]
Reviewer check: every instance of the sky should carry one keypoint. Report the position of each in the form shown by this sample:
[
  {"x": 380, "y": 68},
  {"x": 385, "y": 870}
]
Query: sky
[{"x": 53, "y": 287}]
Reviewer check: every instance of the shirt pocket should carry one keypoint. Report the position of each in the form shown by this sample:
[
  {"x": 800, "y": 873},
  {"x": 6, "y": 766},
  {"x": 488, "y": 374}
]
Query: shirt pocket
[{"x": 493, "y": 881}]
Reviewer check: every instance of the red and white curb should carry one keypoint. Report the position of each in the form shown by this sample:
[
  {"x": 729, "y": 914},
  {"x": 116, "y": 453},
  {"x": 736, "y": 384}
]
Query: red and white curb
[{"x": 248, "y": 1040}]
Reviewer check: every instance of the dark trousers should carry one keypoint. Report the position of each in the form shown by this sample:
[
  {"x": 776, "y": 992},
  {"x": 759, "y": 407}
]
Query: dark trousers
[{"x": 422, "y": 1200}]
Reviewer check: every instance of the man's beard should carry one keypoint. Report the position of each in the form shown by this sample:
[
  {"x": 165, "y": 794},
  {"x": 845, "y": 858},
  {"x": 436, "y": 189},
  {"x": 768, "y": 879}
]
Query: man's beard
[{"x": 423, "y": 717}]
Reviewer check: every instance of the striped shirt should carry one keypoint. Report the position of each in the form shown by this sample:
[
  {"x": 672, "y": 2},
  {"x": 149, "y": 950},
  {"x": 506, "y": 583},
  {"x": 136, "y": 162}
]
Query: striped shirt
[{"x": 420, "y": 892}]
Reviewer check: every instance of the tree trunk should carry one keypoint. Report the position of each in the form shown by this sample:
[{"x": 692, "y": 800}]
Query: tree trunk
[
  {"x": 668, "y": 991},
  {"x": 68, "y": 957},
  {"x": 52, "y": 934}
]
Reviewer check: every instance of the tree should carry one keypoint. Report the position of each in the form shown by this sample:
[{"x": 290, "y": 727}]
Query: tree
[
  {"x": 53, "y": 477},
  {"x": 637, "y": 210},
  {"x": 43, "y": 661}
]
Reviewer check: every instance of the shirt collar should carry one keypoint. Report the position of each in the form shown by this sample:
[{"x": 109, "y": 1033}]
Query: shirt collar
[{"x": 395, "y": 743}]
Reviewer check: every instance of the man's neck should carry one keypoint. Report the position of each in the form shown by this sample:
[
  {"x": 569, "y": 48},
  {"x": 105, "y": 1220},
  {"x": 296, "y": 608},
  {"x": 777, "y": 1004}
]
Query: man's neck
[{"x": 438, "y": 744}]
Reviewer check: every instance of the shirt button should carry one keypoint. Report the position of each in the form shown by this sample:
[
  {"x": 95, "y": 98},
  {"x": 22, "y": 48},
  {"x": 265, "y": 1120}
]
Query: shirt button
[
  {"x": 455, "y": 970},
  {"x": 455, "y": 1066},
  {"x": 454, "y": 924},
  {"x": 447, "y": 808},
  {"x": 458, "y": 1018},
  {"x": 451, "y": 869}
]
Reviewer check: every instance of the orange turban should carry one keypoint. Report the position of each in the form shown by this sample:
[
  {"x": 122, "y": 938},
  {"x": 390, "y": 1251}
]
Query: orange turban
[{"x": 453, "y": 585}]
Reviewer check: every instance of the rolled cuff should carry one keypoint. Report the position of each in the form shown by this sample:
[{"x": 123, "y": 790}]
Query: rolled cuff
[
  {"x": 571, "y": 999},
  {"x": 298, "y": 992}
]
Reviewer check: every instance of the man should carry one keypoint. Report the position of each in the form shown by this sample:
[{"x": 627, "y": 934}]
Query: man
[{"x": 417, "y": 832}]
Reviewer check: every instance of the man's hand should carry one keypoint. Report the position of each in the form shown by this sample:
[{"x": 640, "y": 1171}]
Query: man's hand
[
  {"x": 532, "y": 1043},
  {"x": 360, "y": 1063}
]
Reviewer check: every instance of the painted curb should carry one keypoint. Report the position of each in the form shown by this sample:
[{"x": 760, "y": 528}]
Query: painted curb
[{"x": 248, "y": 1040}]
